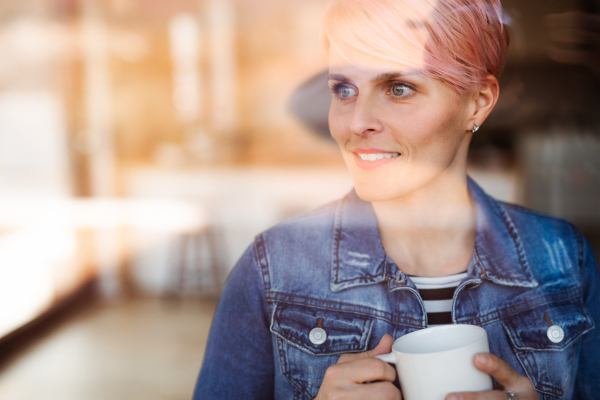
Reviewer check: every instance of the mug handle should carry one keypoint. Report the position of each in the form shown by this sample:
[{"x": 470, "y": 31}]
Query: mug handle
[{"x": 388, "y": 358}]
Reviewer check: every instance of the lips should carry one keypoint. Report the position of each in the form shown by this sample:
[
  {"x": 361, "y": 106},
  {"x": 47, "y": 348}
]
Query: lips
[
  {"x": 373, "y": 158},
  {"x": 376, "y": 156}
]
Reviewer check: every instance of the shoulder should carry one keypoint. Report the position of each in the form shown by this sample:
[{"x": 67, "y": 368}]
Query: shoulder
[
  {"x": 295, "y": 255},
  {"x": 551, "y": 244},
  {"x": 529, "y": 220},
  {"x": 304, "y": 230}
]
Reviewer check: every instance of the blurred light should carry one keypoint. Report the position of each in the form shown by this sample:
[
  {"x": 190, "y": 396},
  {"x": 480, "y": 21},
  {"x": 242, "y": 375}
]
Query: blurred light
[
  {"x": 26, "y": 282},
  {"x": 33, "y": 148},
  {"x": 222, "y": 27},
  {"x": 184, "y": 40},
  {"x": 143, "y": 214}
]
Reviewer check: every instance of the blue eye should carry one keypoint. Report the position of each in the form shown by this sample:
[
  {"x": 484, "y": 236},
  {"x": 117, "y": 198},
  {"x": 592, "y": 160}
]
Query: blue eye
[
  {"x": 400, "y": 90},
  {"x": 345, "y": 92}
]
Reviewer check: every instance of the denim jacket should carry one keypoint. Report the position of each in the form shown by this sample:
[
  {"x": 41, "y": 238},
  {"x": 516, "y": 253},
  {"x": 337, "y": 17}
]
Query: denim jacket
[{"x": 529, "y": 272}]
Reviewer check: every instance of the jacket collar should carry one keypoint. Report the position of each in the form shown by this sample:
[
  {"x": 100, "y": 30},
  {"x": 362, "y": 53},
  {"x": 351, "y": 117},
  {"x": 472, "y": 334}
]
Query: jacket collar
[{"x": 358, "y": 257}]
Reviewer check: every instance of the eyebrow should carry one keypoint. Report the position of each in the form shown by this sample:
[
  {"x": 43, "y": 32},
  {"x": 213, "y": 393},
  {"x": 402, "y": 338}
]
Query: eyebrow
[{"x": 386, "y": 76}]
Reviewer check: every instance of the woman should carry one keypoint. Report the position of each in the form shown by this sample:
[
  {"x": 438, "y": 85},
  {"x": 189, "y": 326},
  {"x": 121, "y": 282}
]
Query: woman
[{"x": 314, "y": 299}]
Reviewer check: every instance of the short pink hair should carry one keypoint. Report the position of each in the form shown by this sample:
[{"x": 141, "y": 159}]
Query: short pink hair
[{"x": 464, "y": 40}]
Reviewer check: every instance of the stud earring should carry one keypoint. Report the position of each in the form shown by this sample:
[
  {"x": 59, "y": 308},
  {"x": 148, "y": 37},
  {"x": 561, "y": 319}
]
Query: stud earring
[{"x": 475, "y": 128}]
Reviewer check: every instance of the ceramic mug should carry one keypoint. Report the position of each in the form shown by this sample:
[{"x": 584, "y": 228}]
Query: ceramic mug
[{"x": 433, "y": 362}]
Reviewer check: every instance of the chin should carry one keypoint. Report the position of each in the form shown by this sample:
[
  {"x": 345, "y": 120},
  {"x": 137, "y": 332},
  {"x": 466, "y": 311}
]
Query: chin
[
  {"x": 375, "y": 193},
  {"x": 391, "y": 186}
]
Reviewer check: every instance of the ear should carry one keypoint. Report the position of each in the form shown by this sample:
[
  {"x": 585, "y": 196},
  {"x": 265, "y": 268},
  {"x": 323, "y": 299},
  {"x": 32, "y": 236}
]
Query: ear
[{"x": 485, "y": 100}]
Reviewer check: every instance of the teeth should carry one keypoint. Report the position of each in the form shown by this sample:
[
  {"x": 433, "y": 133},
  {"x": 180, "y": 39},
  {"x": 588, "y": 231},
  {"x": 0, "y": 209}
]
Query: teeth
[{"x": 377, "y": 156}]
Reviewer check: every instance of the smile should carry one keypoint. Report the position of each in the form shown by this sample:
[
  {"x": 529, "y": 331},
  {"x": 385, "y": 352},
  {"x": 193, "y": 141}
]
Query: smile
[{"x": 376, "y": 156}]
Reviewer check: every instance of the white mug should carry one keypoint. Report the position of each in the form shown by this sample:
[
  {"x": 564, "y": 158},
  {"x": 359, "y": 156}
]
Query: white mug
[{"x": 433, "y": 362}]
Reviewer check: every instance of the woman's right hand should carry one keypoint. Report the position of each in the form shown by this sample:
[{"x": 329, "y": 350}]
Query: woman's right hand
[{"x": 361, "y": 376}]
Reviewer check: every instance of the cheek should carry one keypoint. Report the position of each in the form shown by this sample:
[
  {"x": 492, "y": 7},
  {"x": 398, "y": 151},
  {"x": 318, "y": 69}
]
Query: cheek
[
  {"x": 438, "y": 129},
  {"x": 338, "y": 125}
]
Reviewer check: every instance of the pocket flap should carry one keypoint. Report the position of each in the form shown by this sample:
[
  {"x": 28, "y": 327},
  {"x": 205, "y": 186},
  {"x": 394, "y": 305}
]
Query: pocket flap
[
  {"x": 346, "y": 332},
  {"x": 528, "y": 330}
]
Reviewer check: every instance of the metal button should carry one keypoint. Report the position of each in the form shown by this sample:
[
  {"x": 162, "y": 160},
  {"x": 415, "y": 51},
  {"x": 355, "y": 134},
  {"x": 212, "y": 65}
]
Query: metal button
[
  {"x": 317, "y": 336},
  {"x": 555, "y": 334}
]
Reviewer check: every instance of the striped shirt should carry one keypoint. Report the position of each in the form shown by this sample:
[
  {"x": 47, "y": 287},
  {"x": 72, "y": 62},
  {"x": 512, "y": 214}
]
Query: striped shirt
[{"x": 437, "y": 294}]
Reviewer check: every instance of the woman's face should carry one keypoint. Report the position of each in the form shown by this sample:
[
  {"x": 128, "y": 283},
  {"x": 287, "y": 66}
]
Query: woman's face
[{"x": 398, "y": 130}]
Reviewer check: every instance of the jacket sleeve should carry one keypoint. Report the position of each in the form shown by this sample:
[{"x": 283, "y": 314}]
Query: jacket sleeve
[
  {"x": 238, "y": 362},
  {"x": 587, "y": 383}
]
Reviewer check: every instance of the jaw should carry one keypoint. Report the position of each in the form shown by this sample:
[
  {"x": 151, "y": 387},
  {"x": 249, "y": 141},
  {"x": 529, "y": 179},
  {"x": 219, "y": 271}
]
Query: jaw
[{"x": 406, "y": 177}]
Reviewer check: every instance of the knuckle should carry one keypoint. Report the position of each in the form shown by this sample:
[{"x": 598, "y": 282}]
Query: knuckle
[
  {"x": 332, "y": 373},
  {"x": 377, "y": 366}
]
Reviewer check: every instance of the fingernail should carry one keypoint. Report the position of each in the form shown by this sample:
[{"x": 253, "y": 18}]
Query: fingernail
[
  {"x": 454, "y": 396},
  {"x": 484, "y": 359}
]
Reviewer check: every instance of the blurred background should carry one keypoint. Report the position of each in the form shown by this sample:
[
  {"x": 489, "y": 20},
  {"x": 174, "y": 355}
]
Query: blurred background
[{"x": 143, "y": 144}]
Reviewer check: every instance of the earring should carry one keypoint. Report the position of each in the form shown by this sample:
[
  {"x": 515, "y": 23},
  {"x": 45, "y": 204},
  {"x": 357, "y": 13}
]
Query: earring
[{"x": 475, "y": 128}]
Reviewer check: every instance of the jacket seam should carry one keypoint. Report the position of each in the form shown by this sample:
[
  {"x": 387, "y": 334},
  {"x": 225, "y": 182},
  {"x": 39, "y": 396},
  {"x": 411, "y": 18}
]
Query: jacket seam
[
  {"x": 392, "y": 319},
  {"x": 334, "y": 302},
  {"x": 287, "y": 373},
  {"x": 524, "y": 210},
  {"x": 261, "y": 252},
  {"x": 580, "y": 250},
  {"x": 576, "y": 294},
  {"x": 338, "y": 231},
  {"x": 576, "y": 332},
  {"x": 514, "y": 234},
  {"x": 539, "y": 386},
  {"x": 303, "y": 342}
]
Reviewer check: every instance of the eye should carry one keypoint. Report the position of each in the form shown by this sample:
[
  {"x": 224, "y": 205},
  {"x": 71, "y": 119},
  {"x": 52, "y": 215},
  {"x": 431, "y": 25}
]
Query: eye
[
  {"x": 346, "y": 92},
  {"x": 343, "y": 92},
  {"x": 401, "y": 90}
]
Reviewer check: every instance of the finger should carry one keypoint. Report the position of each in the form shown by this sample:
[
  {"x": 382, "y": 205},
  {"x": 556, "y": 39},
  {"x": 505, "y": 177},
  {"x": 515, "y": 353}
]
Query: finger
[
  {"x": 384, "y": 347},
  {"x": 498, "y": 368},
  {"x": 377, "y": 391},
  {"x": 361, "y": 371},
  {"x": 488, "y": 395}
]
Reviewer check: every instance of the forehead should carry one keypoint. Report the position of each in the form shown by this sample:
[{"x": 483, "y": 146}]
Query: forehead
[{"x": 353, "y": 61}]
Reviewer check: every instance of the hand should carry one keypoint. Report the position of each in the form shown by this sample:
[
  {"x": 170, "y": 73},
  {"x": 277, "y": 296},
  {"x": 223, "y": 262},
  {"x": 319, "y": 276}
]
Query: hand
[
  {"x": 354, "y": 374},
  {"x": 504, "y": 374}
]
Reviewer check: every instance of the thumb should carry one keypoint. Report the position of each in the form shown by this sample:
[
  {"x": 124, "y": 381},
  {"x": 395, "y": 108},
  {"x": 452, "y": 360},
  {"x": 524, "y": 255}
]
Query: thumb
[{"x": 384, "y": 347}]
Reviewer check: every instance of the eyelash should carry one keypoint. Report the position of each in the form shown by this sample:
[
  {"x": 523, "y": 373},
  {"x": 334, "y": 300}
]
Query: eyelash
[
  {"x": 336, "y": 90},
  {"x": 392, "y": 84}
]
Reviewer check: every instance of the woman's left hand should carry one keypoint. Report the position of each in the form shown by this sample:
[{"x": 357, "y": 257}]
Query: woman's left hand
[{"x": 505, "y": 375}]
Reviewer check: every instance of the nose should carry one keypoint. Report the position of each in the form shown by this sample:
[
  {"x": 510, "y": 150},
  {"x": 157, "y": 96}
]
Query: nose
[{"x": 364, "y": 118}]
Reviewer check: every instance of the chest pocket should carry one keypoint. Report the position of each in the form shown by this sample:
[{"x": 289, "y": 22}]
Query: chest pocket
[
  {"x": 304, "y": 357},
  {"x": 545, "y": 342}
]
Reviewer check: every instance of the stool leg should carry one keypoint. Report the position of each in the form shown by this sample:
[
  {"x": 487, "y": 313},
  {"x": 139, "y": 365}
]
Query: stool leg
[{"x": 213, "y": 253}]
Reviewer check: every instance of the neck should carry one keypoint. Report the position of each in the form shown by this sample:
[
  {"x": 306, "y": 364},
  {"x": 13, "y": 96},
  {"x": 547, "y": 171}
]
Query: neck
[{"x": 431, "y": 231}]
